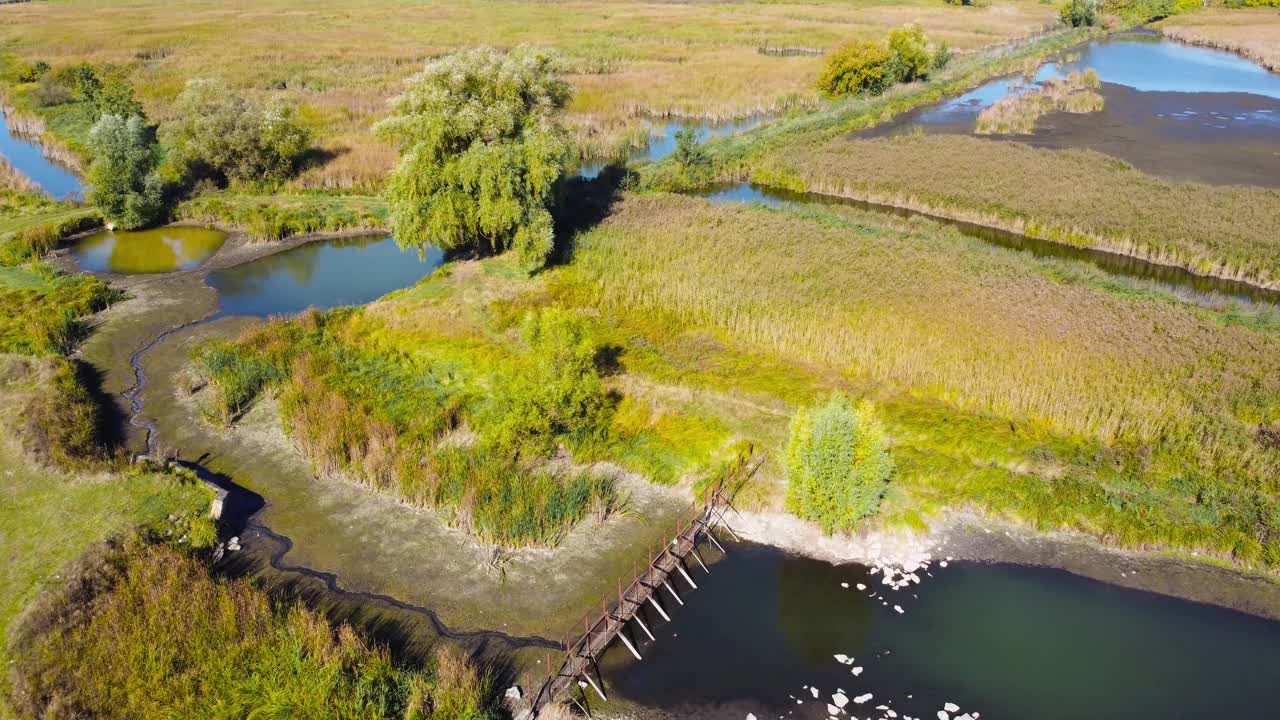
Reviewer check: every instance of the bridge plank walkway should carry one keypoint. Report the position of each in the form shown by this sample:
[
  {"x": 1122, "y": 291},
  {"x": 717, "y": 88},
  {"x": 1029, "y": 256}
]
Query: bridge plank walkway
[{"x": 580, "y": 658}]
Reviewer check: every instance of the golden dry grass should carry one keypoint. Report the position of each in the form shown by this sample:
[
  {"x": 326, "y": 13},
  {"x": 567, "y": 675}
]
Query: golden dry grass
[
  {"x": 1076, "y": 197},
  {"x": 341, "y": 59},
  {"x": 1253, "y": 32}
]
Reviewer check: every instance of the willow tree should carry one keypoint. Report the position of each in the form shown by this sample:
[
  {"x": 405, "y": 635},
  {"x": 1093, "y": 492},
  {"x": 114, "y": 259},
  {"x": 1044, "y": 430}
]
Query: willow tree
[{"x": 481, "y": 145}]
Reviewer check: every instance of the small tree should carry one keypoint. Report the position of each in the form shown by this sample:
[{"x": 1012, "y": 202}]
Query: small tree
[
  {"x": 218, "y": 131},
  {"x": 912, "y": 58},
  {"x": 481, "y": 145},
  {"x": 123, "y": 183},
  {"x": 837, "y": 463},
  {"x": 1079, "y": 13},
  {"x": 857, "y": 67}
]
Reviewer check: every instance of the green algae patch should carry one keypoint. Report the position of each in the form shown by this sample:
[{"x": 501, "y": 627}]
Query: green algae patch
[{"x": 164, "y": 249}]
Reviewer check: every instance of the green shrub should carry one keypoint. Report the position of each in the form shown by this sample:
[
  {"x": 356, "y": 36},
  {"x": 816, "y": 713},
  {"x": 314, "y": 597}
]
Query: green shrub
[
  {"x": 837, "y": 463},
  {"x": 557, "y": 396},
  {"x": 858, "y": 67},
  {"x": 122, "y": 178},
  {"x": 910, "y": 48},
  {"x": 1080, "y": 13},
  {"x": 217, "y": 131},
  {"x": 32, "y": 72}
]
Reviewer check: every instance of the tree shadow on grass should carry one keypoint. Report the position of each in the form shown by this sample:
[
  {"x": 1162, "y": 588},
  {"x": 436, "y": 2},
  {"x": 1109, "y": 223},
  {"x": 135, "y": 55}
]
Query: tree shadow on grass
[{"x": 581, "y": 203}]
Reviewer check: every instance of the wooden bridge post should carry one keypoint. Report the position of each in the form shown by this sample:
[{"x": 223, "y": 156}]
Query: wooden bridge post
[{"x": 654, "y": 599}]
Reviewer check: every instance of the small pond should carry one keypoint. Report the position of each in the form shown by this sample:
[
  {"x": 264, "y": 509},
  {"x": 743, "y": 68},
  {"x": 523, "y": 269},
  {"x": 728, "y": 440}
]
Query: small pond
[
  {"x": 1183, "y": 112},
  {"x": 321, "y": 275},
  {"x": 27, "y": 158},
  {"x": 164, "y": 249},
  {"x": 1201, "y": 289},
  {"x": 662, "y": 141},
  {"x": 1011, "y": 642}
]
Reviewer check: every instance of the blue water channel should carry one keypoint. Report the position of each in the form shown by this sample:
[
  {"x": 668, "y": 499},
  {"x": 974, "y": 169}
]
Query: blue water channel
[{"x": 27, "y": 158}]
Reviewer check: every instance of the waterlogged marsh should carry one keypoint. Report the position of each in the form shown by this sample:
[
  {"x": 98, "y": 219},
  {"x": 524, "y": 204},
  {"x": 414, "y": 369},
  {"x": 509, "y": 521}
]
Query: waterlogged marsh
[
  {"x": 28, "y": 159},
  {"x": 1177, "y": 111},
  {"x": 662, "y": 141},
  {"x": 321, "y": 275},
  {"x": 165, "y": 249},
  {"x": 1008, "y": 641}
]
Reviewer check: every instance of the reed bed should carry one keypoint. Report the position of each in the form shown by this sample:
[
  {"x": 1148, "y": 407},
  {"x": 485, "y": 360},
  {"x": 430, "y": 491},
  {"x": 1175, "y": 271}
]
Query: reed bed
[
  {"x": 1007, "y": 386},
  {"x": 342, "y": 60},
  {"x": 927, "y": 312},
  {"x": 1077, "y": 197},
  {"x": 144, "y": 631},
  {"x": 1251, "y": 32},
  {"x": 1018, "y": 113}
]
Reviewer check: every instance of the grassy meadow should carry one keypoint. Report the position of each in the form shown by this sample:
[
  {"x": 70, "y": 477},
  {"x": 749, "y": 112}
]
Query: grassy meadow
[{"x": 341, "y": 61}]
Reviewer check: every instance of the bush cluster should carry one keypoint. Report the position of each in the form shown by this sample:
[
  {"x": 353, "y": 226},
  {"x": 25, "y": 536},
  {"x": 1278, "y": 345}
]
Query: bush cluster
[
  {"x": 837, "y": 463},
  {"x": 412, "y": 431},
  {"x": 1080, "y": 13},
  {"x": 872, "y": 68}
]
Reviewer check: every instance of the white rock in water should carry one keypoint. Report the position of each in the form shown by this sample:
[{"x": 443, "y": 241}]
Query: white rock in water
[
  {"x": 840, "y": 699},
  {"x": 857, "y": 670},
  {"x": 751, "y": 716},
  {"x": 898, "y": 608},
  {"x": 844, "y": 585},
  {"x": 942, "y": 715},
  {"x": 832, "y": 709},
  {"x": 950, "y": 707},
  {"x": 815, "y": 692},
  {"x": 862, "y": 698},
  {"x": 943, "y": 563},
  {"x": 965, "y": 716},
  {"x": 842, "y": 658},
  {"x": 891, "y": 713},
  {"x": 861, "y": 586},
  {"x": 874, "y": 570}
]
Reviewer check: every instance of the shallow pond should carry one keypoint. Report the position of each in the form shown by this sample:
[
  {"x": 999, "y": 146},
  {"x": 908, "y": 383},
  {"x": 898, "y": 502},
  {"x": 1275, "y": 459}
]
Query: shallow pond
[
  {"x": 662, "y": 141},
  {"x": 1007, "y": 641},
  {"x": 165, "y": 249},
  {"x": 1201, "y": 289},
  {"x": 321, "y": 275},
  {"x": 27, "y": 158},
  {"x": 1170, "y": 109}
]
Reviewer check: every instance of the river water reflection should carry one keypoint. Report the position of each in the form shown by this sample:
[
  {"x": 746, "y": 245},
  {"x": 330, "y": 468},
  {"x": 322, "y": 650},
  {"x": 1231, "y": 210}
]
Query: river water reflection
[
  {"x": 1182, "y": 112},
  {"x": 1008, "y": 641}
]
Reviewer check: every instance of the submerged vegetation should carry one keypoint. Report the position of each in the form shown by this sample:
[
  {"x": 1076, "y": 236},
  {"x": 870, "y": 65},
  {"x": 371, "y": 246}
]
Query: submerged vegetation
[
  {"x": 144, "y": 631},
  {"x": 1018, "y": 112}
]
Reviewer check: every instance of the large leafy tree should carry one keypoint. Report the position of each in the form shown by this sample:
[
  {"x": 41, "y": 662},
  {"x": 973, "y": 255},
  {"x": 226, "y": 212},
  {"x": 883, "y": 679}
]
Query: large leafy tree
[
  {"x": 837, "y": 463},
  {"x": 122, "y": 177},
  {"x": 481, "y": 145},
  {"x": 218, "y": 131}
]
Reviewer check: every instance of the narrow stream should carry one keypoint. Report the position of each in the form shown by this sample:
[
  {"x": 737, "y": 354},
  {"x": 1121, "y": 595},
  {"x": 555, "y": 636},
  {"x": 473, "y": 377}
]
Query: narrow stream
[
  {"x": 1202, "y": 289},
  {"x": 28, "y": 158}
]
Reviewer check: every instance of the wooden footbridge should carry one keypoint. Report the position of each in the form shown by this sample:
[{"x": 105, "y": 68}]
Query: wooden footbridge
[{"x": 663, "y": 574}]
